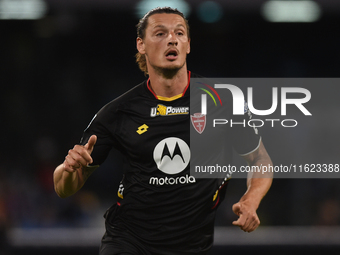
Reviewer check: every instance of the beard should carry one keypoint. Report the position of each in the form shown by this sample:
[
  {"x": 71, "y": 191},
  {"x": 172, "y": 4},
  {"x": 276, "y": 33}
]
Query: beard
[{"x": 167, "y": 72}]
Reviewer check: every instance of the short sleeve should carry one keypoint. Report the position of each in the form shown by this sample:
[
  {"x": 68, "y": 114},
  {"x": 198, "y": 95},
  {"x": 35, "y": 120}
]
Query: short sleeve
[{"x": 103, "y": 128}]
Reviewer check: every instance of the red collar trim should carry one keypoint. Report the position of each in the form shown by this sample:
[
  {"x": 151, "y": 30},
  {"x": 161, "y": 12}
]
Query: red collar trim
[
  {"x": 148, "y": 84},
  {"x": 185, "y": 90}
]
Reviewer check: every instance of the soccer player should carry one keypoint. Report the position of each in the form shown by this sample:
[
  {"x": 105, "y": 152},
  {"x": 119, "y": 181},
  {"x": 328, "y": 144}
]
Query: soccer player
[{"x": 161, "y": 208}]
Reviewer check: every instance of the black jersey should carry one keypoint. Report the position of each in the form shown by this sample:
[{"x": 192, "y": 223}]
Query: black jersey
[{"x": 160, "y": 204}]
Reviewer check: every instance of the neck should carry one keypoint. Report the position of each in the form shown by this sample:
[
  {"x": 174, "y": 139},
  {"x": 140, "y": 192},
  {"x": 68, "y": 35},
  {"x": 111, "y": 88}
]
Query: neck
[{"x": 168, "y": 83}]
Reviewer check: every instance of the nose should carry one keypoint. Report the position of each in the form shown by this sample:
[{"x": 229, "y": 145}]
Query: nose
[{"x": 172, "y": 39}]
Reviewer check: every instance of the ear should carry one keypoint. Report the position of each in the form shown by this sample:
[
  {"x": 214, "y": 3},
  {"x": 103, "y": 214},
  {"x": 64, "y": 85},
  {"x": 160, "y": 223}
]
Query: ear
[
  {"x": 140, "y": 45},
  {"x": 188, "y": 48}
]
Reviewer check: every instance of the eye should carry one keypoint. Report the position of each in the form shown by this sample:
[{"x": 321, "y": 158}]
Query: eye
[
  {"x": 180, "y": 33},
  {"x": 160, "y": 34}
]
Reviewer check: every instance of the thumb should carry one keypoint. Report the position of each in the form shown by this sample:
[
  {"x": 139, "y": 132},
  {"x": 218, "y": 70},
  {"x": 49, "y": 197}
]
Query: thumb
[
  {"x": 237, "y": 209},
  {"x": 90, "y": 144}
]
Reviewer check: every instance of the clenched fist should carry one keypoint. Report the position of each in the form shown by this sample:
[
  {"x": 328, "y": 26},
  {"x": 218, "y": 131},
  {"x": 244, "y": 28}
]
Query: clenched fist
[{"x": 80, "y": 156}]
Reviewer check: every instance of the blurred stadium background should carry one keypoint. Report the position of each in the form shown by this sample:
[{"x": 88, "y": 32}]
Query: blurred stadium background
[{"x": 61, "y": 60}]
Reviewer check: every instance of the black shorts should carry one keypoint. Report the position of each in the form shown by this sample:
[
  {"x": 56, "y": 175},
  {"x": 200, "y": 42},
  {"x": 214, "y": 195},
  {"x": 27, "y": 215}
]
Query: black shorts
[
  {"x": 119, "y": 241},
  {"x": 119, "y": 246}
]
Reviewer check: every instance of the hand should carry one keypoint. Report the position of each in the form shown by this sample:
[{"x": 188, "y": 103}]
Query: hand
[
  {"x": 80, "y": 156},
  {"x": 248, "y": 220}
]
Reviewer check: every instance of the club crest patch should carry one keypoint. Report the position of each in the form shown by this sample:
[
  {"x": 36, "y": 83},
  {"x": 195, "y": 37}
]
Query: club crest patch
[{"x": 198, "y": 120}]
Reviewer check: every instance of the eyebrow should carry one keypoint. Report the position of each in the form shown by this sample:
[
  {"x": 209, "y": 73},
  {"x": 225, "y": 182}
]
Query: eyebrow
[{"x": 162, "y": 26}]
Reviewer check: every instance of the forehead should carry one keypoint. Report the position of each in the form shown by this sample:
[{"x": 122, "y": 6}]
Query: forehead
[{"x": 165, "y": 19}]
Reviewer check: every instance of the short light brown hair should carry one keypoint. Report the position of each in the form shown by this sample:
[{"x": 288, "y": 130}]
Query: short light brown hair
[{"x": 141, "y": 27}]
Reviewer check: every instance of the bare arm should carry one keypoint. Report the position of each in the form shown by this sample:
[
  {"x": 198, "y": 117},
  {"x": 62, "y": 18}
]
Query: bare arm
[
  {"x": 258, "y": 185},
  {"x": 70, "y": 176}
]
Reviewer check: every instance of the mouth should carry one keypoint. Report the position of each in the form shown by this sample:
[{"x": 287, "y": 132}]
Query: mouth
[{"x": 171, "y": 54}]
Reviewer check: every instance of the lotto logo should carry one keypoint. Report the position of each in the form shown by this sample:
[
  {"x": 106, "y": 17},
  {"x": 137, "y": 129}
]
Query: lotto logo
[{"x": 142, "y": 129}]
